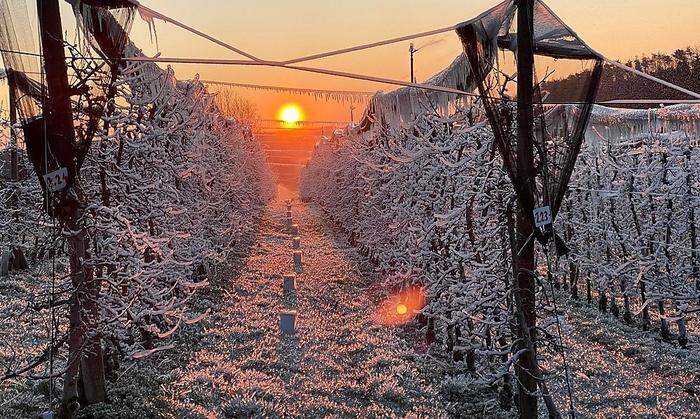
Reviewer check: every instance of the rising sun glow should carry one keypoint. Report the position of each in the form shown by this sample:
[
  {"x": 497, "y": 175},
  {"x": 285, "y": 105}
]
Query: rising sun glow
[{"x": 291, "y": 114}]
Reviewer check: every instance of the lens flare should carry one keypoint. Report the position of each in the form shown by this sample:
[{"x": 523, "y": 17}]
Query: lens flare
[{"x": 401, "y": 308}]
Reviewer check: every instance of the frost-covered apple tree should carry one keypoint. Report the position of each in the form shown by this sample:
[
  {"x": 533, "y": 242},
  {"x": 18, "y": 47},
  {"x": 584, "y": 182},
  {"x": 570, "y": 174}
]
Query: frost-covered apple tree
[
  {"x": 428, "y": 202},
  {"x": 631, "y": 217},
  {"x": 167, "y": 188}
]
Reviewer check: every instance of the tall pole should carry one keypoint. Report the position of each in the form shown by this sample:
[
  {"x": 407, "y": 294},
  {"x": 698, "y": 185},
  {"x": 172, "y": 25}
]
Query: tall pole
[
  {"x": 85, "y": 363},
  {"x": 20, "y": 260},
  {"x": 58, "y": 112},
  {"x": 14, "y": 165},
  {"x": 411, "y": 51},
  {"x": 525, "y": 258}
]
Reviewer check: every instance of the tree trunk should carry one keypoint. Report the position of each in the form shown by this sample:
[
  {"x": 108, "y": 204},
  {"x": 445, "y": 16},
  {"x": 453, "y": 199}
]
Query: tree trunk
[{"x": 646, "y": 320}]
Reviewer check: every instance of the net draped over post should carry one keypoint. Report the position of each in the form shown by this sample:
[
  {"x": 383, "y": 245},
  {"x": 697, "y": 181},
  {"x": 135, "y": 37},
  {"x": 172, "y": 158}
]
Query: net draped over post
[
  {"x": 104, "y": 26},
  {"x": 559, "y": 129},
  {"x": 560, "y": 126}
]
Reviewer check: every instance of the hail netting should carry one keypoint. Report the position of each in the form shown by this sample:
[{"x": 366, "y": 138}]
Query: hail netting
[
  {"x": 628, "y": 127},
  {"x": 559, "y": 129},
  {"x": 20, "y": 54},
  {"x": 404, "y": 105},
  {"x": 317, "y": 94},
  {"x": 22, "y": 60},
  {"x": 105, "y": 24}
]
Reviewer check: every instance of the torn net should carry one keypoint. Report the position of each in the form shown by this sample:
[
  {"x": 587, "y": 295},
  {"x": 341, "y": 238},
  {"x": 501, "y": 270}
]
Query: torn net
[
  {"x": 559, "y": 128},
  {"x": 104, "y": 26},
  {"x": 403, "y": 105},
  {"x": 20, "y": 54}
]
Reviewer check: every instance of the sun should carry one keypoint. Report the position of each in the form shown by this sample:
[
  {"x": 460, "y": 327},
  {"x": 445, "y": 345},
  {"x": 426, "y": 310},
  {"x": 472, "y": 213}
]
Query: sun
[{"x": 291, "y": 114}]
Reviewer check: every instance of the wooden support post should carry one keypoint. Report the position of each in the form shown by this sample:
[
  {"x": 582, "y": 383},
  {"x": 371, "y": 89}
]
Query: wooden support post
[
  {"x": 298, "y": 267},
  {"x": 84, "y": 345},
  {"x": 289, "y": 282},
  {"x": 14, "y": 164},
  {"x": 525, "y": 175},
  {"x": 288, "y": 322},
  {"x": 16, "y": 253},
  {"x": 4, "y": 263}
]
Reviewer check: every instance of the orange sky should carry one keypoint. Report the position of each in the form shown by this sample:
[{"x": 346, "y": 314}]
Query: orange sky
[{"x": 279, "y": 29}]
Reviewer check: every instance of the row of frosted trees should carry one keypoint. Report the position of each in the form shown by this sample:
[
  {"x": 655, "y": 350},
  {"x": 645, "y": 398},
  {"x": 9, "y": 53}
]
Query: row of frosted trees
[
  {"x": 172, "y": 187},
  {"x": 631, "y": 220},
  {"x": 425, "y": 203},
  {"x": 430, "y": 205}
]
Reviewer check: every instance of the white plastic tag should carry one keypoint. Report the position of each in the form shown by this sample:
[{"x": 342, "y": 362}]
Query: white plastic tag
[
  {"x": 543, "y": 216},
  {"x": 56, "y": 180}
]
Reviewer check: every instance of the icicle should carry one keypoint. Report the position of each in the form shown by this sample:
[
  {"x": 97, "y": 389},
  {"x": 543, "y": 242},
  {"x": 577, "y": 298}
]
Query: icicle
[{"x": 149, "y": 18}]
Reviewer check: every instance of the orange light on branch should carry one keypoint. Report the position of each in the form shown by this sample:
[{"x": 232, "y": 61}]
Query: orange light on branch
[{"x": 401, "y": 308}]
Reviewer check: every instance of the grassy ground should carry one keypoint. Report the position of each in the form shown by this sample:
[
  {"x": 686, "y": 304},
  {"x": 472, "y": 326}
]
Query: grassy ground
[
  {"x": 620, "y": 371},
  {"x": 341, "y": 363}
]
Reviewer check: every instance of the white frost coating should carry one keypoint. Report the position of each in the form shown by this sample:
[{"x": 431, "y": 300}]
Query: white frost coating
[
  {"x": 172, "y": 188},
  {"x": 425, "y": 201},
  {"x": 403, "y": 105}
]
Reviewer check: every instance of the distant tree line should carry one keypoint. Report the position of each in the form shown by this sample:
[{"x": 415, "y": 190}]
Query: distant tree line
[{"x": 682, "y": 68}]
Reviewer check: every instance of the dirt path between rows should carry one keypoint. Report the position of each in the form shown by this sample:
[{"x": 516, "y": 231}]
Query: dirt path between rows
[{"x": 339, "y": 363}]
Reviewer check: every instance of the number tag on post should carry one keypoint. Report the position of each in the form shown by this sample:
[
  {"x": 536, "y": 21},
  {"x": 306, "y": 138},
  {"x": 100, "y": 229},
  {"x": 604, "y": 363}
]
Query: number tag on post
[
  {"x": 56, "y": 180},
  {"x": 543, "y": 216}
]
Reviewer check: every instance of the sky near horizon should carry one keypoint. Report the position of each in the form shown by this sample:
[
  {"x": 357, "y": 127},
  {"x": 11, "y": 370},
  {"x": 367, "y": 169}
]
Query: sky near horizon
[{"x": 277, "y": 29}]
